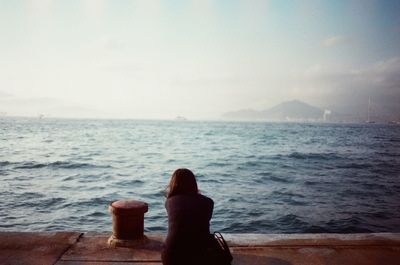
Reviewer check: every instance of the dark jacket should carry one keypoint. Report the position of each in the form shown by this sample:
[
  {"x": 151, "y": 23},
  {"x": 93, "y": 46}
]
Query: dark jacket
[{"x": 188, "y": 229}]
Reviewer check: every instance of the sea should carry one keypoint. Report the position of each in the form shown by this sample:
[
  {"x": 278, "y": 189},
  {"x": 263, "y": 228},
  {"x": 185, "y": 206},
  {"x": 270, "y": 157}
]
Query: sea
[{"x": 62, "y": 174}]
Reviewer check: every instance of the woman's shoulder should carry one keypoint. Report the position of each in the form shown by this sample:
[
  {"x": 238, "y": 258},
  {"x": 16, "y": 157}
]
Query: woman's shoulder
[
  {"x": 207, "y": 200},
  {"x": 184, "y": 197},
  {"x": 204, "y": 197}
]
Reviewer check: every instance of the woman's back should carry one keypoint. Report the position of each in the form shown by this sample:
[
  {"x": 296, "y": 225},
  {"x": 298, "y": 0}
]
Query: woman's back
[
  {"x": 189, "y": 215},
  {"x": 188, "y": 220}
]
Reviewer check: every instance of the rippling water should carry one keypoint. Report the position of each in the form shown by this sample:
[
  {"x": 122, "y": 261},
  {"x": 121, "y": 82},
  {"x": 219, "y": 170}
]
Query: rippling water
[{"x": 263, "y": 177}]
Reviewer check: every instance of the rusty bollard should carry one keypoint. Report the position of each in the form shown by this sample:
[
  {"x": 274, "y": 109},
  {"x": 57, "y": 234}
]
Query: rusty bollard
[{"x": 128, "y": 223}]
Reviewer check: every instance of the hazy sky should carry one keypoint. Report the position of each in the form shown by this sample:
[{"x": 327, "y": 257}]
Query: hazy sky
[{"x": 161, "y": 59}]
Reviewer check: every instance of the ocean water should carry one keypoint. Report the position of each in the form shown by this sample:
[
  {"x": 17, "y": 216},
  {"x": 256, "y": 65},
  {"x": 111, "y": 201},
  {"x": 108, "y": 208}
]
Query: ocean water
[{"x": 263, "y": 177}]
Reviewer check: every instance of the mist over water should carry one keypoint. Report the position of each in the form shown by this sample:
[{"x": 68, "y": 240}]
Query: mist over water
[{"x": 263, "y": 177}]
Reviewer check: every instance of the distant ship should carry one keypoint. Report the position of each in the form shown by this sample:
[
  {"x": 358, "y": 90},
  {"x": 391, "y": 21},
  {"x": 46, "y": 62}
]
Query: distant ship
[
  {"x": 180, "y": 118},
  {"x": 40, "y": 116}
]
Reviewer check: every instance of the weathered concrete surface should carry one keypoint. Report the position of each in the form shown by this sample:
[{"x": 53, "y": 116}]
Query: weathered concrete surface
[
  {"x": 34, "y": 248},
  {"x": 108, "y": 263},
  {"x": 365, "y": 239},
  {"x": 331, "y": 249},
  {"x": 247, "y": 249},
  {"x": 93, "y": 247},
  {"x": 316, "y": 255}
]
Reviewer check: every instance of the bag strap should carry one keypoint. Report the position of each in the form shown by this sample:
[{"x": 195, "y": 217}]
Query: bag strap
[{"x": 221, "y": 241}]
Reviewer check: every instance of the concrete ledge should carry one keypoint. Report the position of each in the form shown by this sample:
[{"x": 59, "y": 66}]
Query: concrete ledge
[
  {"x": 296, "y": 240},
  {"x": 35, "y": 248},
  {"x": 72, "y": 248},
  {"x": 94, "y": 247}
]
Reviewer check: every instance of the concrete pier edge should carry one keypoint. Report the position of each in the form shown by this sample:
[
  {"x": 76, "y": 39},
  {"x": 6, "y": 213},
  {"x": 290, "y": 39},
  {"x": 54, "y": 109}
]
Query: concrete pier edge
[
  {"x": 321, "y": 239},
  {"x": 71, "y": 248}
]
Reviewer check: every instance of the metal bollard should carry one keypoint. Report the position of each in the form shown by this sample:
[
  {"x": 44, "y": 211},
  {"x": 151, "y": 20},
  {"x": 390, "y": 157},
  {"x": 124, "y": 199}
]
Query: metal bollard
[{"x": 128, "y": 223}]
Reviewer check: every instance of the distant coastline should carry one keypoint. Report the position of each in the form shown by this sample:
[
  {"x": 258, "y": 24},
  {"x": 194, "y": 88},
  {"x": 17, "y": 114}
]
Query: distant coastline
[
  {"x": 298, "y": 111},
  {"x": 294, "y": 111},
  {"x": 222, "y": 120}
]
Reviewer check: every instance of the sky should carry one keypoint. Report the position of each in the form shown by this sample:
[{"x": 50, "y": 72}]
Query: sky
[{"x": 198, "y": 59}]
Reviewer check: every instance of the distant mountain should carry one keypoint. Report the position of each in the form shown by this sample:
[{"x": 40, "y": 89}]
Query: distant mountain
[{"x": 294, "y": 110}]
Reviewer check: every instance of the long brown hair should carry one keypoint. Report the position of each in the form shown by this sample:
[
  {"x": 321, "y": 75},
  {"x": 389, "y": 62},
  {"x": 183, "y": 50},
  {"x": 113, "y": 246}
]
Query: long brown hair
[{"x": 182, "y": 181}]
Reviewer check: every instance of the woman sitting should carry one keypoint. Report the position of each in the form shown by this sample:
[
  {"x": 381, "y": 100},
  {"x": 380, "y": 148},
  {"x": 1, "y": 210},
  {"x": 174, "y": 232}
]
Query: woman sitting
[{"x": 189, "y": 215}]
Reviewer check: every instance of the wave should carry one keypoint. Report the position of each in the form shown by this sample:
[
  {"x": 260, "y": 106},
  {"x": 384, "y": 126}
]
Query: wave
[
  {"x": 249, "y": 165},
  {"x": 94, "y": 202},
  {"x": 288, "y": 193},
  {"x": 58, "y": 165},
  {"x": 353, "y": 224},
  {"x": 315, "y": 156},
  {"x": 290, "y": 219},
  {"x": 311, "y": 183},
  {"x": 279, "y": 179},
  {"x": 4, "y": 163},
  {"x": 131, "y": 182},
  {"x": 39, "y": 202},
  {"x": 30, "y": 195},
  {"x": 217, "y": 164},
  {"x": 97, "y": 214},
  {"x": 353, "y": 165},
  {"x": 288, "y": 223},
  {"x": 269, "y": 176},
  {"x": 30, "y": 165},
  {"x": 71, "y": 177}
]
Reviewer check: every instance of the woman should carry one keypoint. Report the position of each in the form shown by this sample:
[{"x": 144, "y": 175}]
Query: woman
[{"x": 189, "y": 215}]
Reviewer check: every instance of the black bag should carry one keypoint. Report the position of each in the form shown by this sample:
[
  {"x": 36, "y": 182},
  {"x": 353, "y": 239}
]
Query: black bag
[{"x": 218, "y": 252}]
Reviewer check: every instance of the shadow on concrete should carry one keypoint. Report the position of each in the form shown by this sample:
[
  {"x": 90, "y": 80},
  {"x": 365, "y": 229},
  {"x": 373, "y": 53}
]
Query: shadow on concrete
[{"x": 241, "y": 259}]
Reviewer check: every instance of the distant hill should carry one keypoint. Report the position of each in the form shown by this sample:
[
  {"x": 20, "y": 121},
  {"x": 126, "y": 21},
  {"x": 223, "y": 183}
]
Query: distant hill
[{"x": 294, "y": 110}]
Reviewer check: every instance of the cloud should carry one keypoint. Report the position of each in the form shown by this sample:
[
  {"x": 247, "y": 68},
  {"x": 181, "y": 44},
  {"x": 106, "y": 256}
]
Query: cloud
[
  {"x": 5, "y": 95},
  {"x": 333, "y": 41},
  {"x": 348, "y": 89},
  {"x": 39, "y": 8},
  {"x": 50, "y": 107},
  {"x": 94, "y": 8},
  {"x": 115, "y": 44},
  {"x": 387, "y": 73}
]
